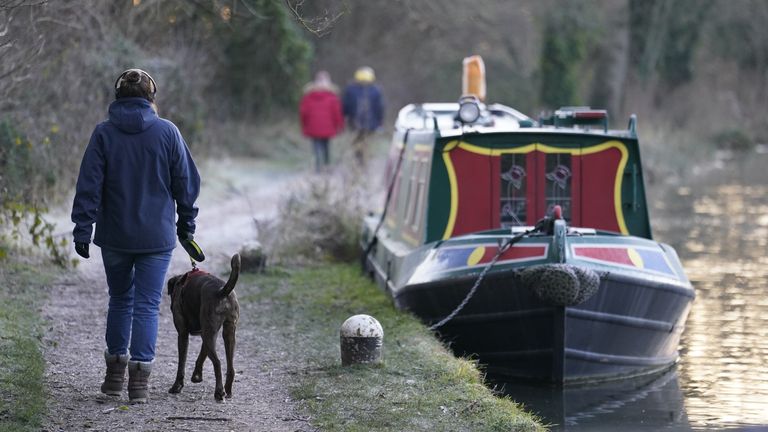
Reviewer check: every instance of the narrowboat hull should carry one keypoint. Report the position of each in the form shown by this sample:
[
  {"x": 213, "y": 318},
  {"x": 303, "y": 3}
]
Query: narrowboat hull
[
  {"x": 630, "y": 326},
  {"x": 514, "y": 333}
]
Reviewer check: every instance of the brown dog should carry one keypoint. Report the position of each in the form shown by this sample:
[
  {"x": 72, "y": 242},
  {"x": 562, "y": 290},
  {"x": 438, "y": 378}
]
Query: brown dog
[{"x": 202, "y": 304}]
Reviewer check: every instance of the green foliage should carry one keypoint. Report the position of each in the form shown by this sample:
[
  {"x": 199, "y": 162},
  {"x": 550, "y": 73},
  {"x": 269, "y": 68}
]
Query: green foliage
[
  {"x": 266, "y": 59},
  {"x": 24, "y": 179},
  {"x": 22, "y": 403},
  {"x": 24, "y": 171},
  {"x": 734, "y": 139},
  {"x": 566, "y": 42},
  {"x": 506, "y": 83},
  {"x": 22, "y": 220}
]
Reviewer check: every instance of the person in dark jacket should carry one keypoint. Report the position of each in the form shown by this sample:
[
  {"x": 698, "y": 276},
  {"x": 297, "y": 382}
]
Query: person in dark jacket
[
  {"x": 136, "y": 176},
  {"x": 363, "y": 109},
  {"x": 321, "y": 117}
]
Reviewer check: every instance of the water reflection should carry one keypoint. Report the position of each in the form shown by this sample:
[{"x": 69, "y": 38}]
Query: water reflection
[
  {"x": 649, "y": 404},
  {"x": 724, "y": 349},
  {"x": 719, "y": 226}
]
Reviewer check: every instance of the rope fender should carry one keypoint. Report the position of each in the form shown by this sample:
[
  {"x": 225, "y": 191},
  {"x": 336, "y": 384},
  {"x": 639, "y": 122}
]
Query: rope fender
[{"x": 561, "y": 284}]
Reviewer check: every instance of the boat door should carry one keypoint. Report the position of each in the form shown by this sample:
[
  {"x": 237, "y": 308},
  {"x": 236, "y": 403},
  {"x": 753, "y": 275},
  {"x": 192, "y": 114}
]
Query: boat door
[
  {"x": 586, "y": 180},
  {"x": 532, "y": 180}
]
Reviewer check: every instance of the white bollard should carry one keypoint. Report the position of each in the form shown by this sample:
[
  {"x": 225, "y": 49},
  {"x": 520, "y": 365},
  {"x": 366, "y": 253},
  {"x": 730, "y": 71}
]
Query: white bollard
[
  {"x": 253, "y": 258},
  {"x": 361, "y": 340}
]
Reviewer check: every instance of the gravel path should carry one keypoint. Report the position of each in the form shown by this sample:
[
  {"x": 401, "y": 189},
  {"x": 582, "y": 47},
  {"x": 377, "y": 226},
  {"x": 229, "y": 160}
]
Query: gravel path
[{"x": 76, "y": 312}]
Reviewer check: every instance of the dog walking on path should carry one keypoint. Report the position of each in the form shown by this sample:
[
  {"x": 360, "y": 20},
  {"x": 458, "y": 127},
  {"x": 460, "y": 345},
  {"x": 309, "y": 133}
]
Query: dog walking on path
[{"x": 202, "y": 304}]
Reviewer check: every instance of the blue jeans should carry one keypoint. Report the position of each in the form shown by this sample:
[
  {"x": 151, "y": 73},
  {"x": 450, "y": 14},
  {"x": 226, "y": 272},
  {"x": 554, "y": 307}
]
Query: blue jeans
[
  {"x": 135, "y": 289},
  {"x": 320, "y": 147}
]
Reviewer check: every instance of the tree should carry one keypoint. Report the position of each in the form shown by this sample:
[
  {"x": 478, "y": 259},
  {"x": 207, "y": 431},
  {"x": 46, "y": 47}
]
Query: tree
[{"x": 566, "y": 40}]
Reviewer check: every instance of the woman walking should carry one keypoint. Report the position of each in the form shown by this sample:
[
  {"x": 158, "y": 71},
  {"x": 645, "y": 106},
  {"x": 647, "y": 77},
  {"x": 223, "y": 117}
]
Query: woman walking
[
  {"x": 136, "y": 175},
  {"x": 321, "y": 117}
]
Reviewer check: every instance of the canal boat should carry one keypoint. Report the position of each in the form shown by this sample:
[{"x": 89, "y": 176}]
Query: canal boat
[{"x": 526, "y": 243}]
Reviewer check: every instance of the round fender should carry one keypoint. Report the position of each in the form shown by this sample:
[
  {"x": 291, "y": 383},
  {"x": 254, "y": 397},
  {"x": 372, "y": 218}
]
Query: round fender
[
  {"x": 589, "y": 283},
  {"x": 561, "y": 284}
]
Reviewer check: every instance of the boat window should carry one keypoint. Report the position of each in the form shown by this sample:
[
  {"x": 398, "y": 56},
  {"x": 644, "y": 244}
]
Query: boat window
[
  {"x": 412, "y": 199},
  {"x": 558, "y": 176},
  {"x": 421, "y": 178},
  {"x": 407, "y": 202},
  {"x": 513, "y": 186},
  {"x": 396, "y": 200}
]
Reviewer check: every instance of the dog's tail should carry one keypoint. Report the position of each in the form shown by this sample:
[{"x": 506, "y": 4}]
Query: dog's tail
[{"x": 230, "y": 285}]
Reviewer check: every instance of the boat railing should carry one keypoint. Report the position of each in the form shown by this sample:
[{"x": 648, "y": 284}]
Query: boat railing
[
  {"x": 443, "y": 117},
  {"x": 571, "y": 230}
]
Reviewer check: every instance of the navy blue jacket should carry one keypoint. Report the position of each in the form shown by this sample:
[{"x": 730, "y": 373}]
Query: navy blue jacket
[
  {"x": 135, "y": 168},
  {"x": 363, "y": 106}
]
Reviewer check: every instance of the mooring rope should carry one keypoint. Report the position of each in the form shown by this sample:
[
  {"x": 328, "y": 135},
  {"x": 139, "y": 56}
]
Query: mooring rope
[
  {"x": 503, "y": 248},
  {"x": 391, "y": 187}
]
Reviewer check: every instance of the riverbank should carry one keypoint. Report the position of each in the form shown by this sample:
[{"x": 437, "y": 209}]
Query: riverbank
[
  {"x": 418, "y": 386},
  {"x": 22, "y": 397}
]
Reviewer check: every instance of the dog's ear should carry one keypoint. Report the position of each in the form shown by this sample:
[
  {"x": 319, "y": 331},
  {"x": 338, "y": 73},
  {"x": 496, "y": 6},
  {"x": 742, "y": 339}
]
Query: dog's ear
[{"x": 172, "y": 282}]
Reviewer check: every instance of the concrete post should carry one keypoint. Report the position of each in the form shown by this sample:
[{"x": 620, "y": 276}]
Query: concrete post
[{"x": 361, "y": 340}]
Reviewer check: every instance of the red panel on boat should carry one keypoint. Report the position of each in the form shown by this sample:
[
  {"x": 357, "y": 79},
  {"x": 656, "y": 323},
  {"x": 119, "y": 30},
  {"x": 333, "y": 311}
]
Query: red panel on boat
[
  {"x": 502, "y": 188},
  {"x": 598, "y": 182},
  {"x": 474, "y": 191}
]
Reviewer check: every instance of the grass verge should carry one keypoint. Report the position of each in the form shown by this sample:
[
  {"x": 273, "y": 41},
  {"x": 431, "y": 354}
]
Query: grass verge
[
  {"x": 419, "y": 386},
  {"x": 22, "y": 394}
]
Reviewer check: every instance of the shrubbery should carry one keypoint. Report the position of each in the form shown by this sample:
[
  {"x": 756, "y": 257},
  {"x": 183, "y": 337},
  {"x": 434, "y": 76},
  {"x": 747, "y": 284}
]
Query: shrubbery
[
  {"x": 319, "y": 222},
  {"x": 25, "y": 176}
]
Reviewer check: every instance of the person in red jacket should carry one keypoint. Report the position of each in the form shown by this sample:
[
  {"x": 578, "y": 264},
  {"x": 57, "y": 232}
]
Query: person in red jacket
[{"x": 321, "y": 116}]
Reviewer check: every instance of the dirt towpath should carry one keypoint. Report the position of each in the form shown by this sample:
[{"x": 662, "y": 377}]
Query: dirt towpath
[{"x": 234, "y": 193}]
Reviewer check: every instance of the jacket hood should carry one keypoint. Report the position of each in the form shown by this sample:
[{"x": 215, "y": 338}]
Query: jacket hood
[
  {"x": 132, "y": 115},
  {"x": 320, "y": 87},
  {"x": 320, "y": 94}
]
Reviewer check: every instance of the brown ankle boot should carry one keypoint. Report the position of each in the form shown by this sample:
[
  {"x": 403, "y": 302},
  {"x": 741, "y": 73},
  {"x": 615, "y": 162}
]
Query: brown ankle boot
[
  {"x": 138, "y": 381},
  {"x": 115, "y": 377}
]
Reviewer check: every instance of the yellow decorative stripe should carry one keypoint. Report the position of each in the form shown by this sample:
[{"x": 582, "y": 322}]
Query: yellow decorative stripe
[
  {"x": 476, "y": 256},
  {"x": 454, "y": 188},
  {"x": 527, "y": 149},
  {"x": 635, "y": 257},
  {"x": 617, "y": 186}
]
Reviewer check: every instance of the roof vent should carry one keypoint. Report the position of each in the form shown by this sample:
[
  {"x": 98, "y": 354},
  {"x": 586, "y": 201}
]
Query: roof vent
[{"x": 580, "y": 116}]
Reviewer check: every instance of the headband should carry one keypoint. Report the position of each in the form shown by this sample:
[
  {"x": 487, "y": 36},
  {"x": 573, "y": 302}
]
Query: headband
[{"x": 121, "y": 80}]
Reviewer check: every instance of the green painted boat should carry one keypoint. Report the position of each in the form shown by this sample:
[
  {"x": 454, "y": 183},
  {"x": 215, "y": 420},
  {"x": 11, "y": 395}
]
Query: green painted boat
[{"x": 526, "y": 244}]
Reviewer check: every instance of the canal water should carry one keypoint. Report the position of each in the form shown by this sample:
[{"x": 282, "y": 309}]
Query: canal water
[{"x": 717, "y": 220}]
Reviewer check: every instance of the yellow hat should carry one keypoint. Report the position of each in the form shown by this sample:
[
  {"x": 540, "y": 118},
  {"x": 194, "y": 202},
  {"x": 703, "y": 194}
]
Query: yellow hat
[{"x": 365, "y": 75}]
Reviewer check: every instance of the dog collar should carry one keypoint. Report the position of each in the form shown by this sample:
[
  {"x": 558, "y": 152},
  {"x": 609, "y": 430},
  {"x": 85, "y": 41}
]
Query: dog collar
[{"x": 196, "y": 272}]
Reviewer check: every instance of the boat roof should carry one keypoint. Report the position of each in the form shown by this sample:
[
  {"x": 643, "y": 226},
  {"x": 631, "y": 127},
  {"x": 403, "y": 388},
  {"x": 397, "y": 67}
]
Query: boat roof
[{"x": 495, "y": 118}]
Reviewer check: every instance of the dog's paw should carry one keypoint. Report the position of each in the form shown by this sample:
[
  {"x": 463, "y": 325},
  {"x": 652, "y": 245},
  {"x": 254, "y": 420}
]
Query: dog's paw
[
  {"x": 197, "y": 377},
  {"x": 219, "y": 395},
  {"x": 176, "y": 387}
]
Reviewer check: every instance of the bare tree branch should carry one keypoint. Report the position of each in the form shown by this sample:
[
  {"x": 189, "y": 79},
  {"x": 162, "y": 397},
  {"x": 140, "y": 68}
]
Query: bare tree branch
[
  {"x": 59, "y": 22},
  {"x": 319, "y": 25},
  {"x": 6, "y": 5}
]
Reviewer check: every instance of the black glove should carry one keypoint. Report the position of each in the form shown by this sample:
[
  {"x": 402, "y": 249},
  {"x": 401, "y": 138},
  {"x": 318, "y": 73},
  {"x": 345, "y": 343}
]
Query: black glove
[
  {"x": 82, "y": 249},
  {"x": 187, "y": 241}
]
